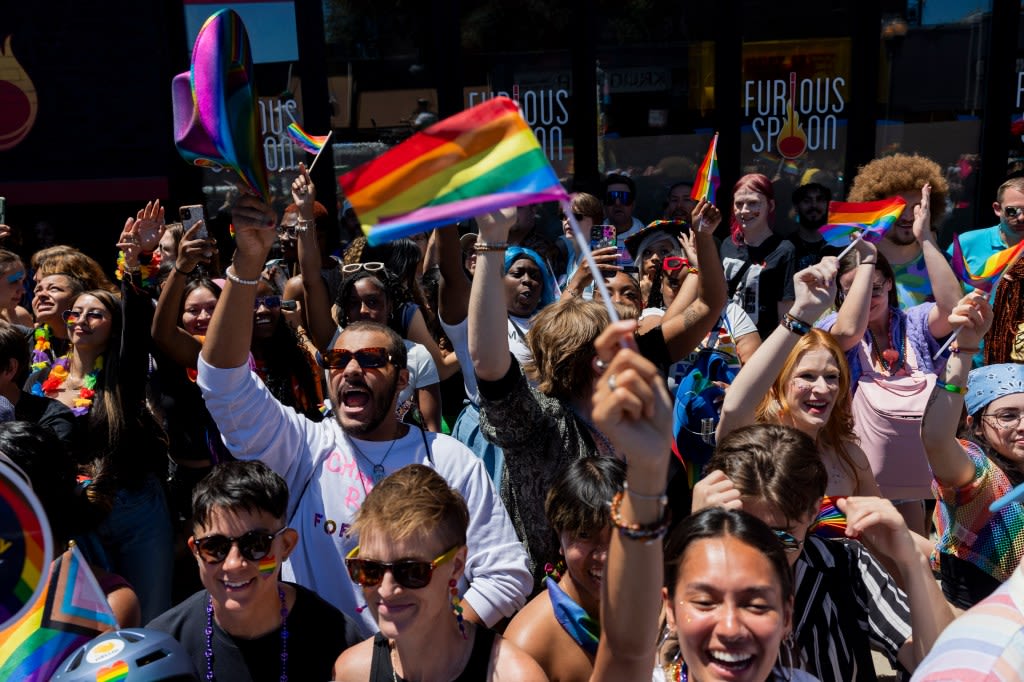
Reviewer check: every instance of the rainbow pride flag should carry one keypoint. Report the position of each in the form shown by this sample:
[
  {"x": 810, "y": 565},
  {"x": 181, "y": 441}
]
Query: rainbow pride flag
[
  {"x": 71, "y": 611},
  {"x": 708, "y": 178},
  {"x": 480, "y": 160},
  {"x": 311, "y": 143},
  {"x": 993, "y": 269},
  {"x": 872, "y": 218}
]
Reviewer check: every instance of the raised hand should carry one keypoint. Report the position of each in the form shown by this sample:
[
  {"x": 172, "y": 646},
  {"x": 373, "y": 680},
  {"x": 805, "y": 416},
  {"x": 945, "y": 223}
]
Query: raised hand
[
  {"x": 193, "y": 250},
  {"x": 973, "y": 315},
  {"x": 923, "y": 215},
  {"x": 705, "y": 216},
  {"x": 254, "y": 223},
  {"x": 875, "y": 521},
  {"x": 815, "y": 289},
  {"x": 304, "y": 193},
  {"x": 495, "y": 226},
  {"x": 150, "y": 225},
  {"x": 128, "y": 242},
  {"x": 716, "y": 490}
]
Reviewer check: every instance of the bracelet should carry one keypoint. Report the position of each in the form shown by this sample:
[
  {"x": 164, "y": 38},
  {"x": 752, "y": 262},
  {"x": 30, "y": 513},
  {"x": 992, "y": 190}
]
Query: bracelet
[
  {"x": 495, "y": 246},
  {"x": 635, "y": 531},
  {"x": 692, "y": 270},
  {"x": 956, "y": 350},
  {"x": 182, "y": 272},
  {"x": 953, "y": 388},
  {"x": 662, "y": 498},
  {"x": 798, "y": 327},
  {"x": 302, "y": 226},
  {"x": 230, "y": 273}
]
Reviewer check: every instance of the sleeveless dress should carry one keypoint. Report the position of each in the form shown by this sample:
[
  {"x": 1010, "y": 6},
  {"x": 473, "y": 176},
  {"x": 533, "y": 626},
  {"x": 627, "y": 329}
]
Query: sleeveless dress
[{"x": 381, "y": 669}]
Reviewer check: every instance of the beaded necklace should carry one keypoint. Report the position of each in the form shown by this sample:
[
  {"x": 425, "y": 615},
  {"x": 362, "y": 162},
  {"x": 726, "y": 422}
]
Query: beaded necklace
[
  {"x": 604, "y": 446},
  {"x": 41, "y": 358},
  {"x": 59, "y": 374},
  {"x": 208, "y": 652}
]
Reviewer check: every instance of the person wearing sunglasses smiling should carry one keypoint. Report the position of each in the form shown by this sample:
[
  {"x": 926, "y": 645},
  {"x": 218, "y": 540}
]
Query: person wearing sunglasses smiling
[
  {"x": 979, "y": 245},
  {"x": 335, "y": 463},
  {"x": 245, "y": 624},
  {"x": 411, "y": 554},
  {"x": 846, "y": 601}
]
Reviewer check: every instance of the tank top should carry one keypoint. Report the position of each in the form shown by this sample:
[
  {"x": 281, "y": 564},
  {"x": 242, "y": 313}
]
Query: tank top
[{"x": 381, "y": 669}]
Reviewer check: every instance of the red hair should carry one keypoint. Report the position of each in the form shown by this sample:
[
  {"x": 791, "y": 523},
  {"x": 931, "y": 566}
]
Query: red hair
[{"x": 755, "y": 182}]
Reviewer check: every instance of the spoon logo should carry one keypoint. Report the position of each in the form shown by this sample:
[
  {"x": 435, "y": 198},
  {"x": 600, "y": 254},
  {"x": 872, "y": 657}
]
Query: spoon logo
[
  {"x": 18, "y": 103},
  {"x": 792, "y": 141}
]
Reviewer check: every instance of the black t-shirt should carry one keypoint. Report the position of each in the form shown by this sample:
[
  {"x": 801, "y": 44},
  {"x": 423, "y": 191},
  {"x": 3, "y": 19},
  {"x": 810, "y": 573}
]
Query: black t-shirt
[
  {"x": 768, "y": 280},
  {"x": 317, "y": 634},
  {"x": 811, "y": 253}
]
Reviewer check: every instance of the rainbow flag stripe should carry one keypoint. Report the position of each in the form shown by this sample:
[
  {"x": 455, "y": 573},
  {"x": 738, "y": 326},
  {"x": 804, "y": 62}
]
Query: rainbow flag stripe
[
  {"x": 267, "y": 565},
  {"x": 113, "y": 673},
  {"x": 480, "y": 160},
  {"x": 830, "y": 523},
  {"x": 708, "y": 178},
  {"x": 993, "y": 269},
  {"x": 872, "y": 218},
  {"x": 311, "y": 143}
]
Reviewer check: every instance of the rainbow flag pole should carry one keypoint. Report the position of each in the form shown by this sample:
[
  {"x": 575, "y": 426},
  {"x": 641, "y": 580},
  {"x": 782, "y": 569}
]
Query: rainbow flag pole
[
  {"x": 326, "y": 145},
  {"x": 708, "y": 177}
]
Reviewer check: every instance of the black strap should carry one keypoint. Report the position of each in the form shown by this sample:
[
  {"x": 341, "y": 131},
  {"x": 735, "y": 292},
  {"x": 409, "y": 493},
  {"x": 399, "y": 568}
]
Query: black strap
[{"x": 735, "y": 280}]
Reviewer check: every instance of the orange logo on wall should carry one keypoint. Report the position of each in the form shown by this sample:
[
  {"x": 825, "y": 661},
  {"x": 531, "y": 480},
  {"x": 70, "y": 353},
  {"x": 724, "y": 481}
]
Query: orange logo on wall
[
  {"x": 792, "y": 142},
  {"x": 18, "y": 104}
]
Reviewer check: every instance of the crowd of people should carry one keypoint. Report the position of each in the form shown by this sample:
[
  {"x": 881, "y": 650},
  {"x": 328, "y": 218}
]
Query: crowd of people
[{"x": 440, "y": 458}]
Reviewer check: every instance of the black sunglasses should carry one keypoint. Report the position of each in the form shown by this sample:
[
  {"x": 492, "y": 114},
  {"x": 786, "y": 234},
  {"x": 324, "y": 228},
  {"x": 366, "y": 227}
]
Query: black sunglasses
[
  {"x": 1013, "y": 212},
  {"x": 73, "y": 316},
  {"x": 624, "y": 197},
  {"x": 268, "y": 301},
  {"x": 790, "y": 542},
  {"x": 253, "y": 545},
  {"x": 368, "y": 358},
  {"x": 407, "y": 573}
]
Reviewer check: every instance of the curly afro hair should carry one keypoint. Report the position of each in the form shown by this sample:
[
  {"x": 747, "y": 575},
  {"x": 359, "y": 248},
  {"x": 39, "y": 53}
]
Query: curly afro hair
[{"x": 891, "y": 175}]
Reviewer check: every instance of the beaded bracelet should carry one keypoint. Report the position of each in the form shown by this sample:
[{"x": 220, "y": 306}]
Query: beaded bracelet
[
  {"x": 798, "y": 327},
  {"x": 634, "y": 531},
  {"x": 495, "y": 246},
  {"x": 230, "y": 273},
  {"x": 953, "y": 388},
  {"x": 692, "y": 270},
  {"x": 303, "y": 226}
]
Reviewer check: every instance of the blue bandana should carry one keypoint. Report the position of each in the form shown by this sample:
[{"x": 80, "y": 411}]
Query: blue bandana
[
  {"x": 985, "y": 384},
  {"x": 515, "y": 253}
]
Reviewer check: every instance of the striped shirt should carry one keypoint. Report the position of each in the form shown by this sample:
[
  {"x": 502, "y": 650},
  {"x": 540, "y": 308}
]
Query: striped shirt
[
  {"x": 846, "y": 604},
  {"x": 986, "y": 644}
]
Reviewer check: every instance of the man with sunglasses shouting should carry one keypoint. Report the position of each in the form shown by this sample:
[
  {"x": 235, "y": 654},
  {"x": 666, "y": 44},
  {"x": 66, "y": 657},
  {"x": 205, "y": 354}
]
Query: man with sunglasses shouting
[
  {"x": 246, "y": 624},
  {"x": 331, "y": 466}
]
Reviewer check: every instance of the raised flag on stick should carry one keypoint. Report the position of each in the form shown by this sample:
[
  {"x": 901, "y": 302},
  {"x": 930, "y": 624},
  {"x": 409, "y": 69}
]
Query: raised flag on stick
[
  {"x": 708, "y": 178},
  {"x": 314, "y": 144},
  {"x": 872, "y": 219}
]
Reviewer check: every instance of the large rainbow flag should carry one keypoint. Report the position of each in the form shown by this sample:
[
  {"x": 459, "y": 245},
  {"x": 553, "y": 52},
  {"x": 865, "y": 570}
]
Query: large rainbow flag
[
  {"x": 480, "y": 160},
  {"x": 871, "y": 218},
  {"x": 311, "y": 143},
  {"x": 708, "y": 178},
  {"x": 71, "y": 611},
  {"x": 991, "y": 271}
]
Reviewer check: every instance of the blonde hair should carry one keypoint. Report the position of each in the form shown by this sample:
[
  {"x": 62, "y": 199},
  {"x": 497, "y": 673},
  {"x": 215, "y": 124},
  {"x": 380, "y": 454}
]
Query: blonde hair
[
  {"x": 561, "y": 340},
  {"x": 63, "y": 260},
  {"x": 838, "y": 430}
]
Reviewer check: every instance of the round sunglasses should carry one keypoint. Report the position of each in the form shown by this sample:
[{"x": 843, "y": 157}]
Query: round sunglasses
[
  {"x": 408, "y": 573},
  {"x": 72, "y": 317},
  {"x": 253, "y": 546}
]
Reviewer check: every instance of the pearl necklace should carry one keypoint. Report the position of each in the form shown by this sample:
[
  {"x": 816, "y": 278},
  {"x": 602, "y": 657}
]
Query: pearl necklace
[{"x": 208, "y": 652}]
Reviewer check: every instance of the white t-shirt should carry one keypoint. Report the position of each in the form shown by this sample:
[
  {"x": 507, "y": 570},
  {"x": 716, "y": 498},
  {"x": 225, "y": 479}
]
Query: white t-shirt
[
  {"x": 422, "y": 370},
  {"x": 458, "y": 334}
]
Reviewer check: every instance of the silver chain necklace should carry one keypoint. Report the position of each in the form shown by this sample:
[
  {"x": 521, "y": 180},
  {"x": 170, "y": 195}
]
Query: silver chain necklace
[{"x": 378, "y": 467}]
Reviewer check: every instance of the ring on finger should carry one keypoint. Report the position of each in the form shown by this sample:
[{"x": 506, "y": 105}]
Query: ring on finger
[
  {"x": 611, "y": 383},
  {"x": 601, "y": 365}
]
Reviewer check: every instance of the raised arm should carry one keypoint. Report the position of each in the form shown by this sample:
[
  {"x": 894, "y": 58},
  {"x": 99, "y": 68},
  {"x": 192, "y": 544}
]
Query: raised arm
[
  {"x": 488, "y": 311},
  {"x": 684, "y": 330},
  {"x": 454, "y": 288},
  {"x": 852, "y": 321},
  {"x": 230, "y": 330},
  {"x": 945, "y": 285},
  {"x": 815, "y": 289},
  {"x": 170, "y": 338},
  {"x": 316, "y": 301},
  {"x": 633, "y": 408},
  {"x": 949, "y": 462}
]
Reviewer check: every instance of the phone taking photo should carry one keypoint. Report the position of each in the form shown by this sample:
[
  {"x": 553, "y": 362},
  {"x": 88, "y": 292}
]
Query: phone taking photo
[
  {"x": 190, "y": 215},
  {"x": 602, "y": 236}
]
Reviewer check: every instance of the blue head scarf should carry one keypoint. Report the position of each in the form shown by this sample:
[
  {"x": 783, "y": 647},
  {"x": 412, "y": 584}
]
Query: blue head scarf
[
  {"x": 515, "y": 253},
  {"x": 985, "y": 384}
]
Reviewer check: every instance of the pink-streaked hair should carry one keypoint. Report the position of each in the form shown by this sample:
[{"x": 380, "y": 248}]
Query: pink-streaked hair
[{"x": 755, "y": 182}]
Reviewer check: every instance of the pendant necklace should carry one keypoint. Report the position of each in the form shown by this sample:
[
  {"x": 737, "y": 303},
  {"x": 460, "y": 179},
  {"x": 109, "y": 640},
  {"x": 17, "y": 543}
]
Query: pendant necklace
[{"x": 378, "y": 467}]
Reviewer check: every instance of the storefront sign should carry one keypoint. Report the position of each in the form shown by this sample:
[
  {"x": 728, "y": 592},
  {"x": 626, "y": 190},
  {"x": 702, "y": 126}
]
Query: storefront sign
[{"x": 546, "y": 111}]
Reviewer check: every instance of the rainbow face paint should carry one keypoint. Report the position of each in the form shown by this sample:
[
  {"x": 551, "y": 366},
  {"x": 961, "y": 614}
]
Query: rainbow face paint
[{"x": 267, "y": 565}]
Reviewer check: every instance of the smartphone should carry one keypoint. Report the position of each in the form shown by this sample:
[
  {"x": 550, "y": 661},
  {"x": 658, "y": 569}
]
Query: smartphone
[
  {"x": 602, "y": 236},
  {"x": 190, "y": 215},
  {"x": 3, "y": 210}
]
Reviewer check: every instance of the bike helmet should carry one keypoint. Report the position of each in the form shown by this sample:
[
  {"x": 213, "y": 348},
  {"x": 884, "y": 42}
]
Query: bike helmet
[{"x": 132, "y": 655}]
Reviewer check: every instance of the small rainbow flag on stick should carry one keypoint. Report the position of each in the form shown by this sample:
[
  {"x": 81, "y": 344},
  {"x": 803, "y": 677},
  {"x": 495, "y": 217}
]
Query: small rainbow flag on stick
[
  {"x": 871, "y": 218},
  {"x": 991, "y": 271},
  {"x": 311, "y": 143},
  {"x": 480, "y": 160},
  {"x": 708, "y": 178}
]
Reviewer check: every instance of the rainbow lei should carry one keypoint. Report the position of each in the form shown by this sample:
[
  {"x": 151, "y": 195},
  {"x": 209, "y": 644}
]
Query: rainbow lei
[
  {"x": 148, "y": 272},
  {"x": 41, "y": 358},
  {"x": 59, "y": 374}
]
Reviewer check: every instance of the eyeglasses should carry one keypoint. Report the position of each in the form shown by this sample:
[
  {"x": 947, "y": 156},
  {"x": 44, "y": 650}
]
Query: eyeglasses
[
  {"x": 673, "y": 263},
  {"x": 287, "y": 231},
  {"x": 1013, "y": 212},
  {"x": 352, "y": 268},
  {"x": 74, "y": 316},
  {"x": 407, "y": 573},
  {"x": 368, "y": 358},
  {"x": 253, "y": 545},
  {"x": 790, "y": 542},
  {"x": 1004, "y": 420},
  {"x": 268, "y": 301},
  {"x": 624, "y": 197}
]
